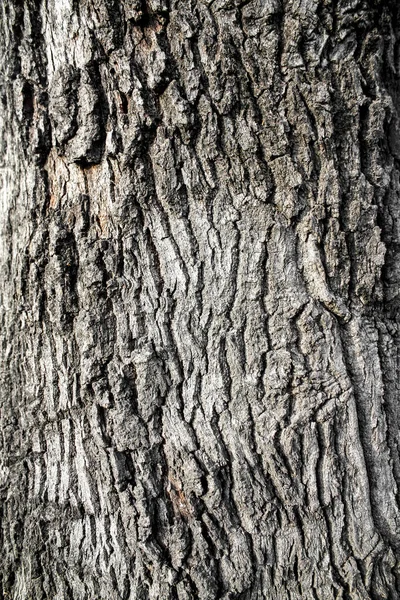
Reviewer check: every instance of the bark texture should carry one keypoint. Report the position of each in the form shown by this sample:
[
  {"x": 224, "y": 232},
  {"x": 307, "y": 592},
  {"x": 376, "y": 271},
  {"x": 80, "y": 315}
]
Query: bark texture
[{"x": 199, "y": 248}]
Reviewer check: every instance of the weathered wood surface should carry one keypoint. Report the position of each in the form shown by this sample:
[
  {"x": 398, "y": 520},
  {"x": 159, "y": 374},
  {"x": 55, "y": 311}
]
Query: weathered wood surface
[{"x": 199, "y": 248}]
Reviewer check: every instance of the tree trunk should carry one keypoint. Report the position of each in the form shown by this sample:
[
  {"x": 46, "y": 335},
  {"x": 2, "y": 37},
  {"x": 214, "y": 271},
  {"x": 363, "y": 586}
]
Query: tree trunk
[{"x": 200, "y": 234}]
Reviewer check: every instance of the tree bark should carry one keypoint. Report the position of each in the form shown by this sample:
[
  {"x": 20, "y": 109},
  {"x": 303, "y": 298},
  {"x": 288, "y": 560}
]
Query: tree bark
[{"x": 199, "y": 248}]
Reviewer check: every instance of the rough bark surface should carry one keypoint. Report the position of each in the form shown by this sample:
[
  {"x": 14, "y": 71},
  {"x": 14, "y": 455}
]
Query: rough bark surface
[{"x": 199, "y": 247}]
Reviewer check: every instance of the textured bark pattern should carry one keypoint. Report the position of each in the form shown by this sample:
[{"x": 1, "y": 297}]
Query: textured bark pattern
[{"x": 200, "y": 233}]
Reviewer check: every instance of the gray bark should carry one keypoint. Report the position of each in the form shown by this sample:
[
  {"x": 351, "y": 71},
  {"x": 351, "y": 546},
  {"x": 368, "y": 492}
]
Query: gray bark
[{"x": 199, "y": 248}]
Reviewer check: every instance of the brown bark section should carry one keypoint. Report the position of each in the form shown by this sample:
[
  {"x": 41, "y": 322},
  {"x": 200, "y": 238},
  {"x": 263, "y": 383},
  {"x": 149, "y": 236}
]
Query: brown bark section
[{"x": 199, "y": 248}]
